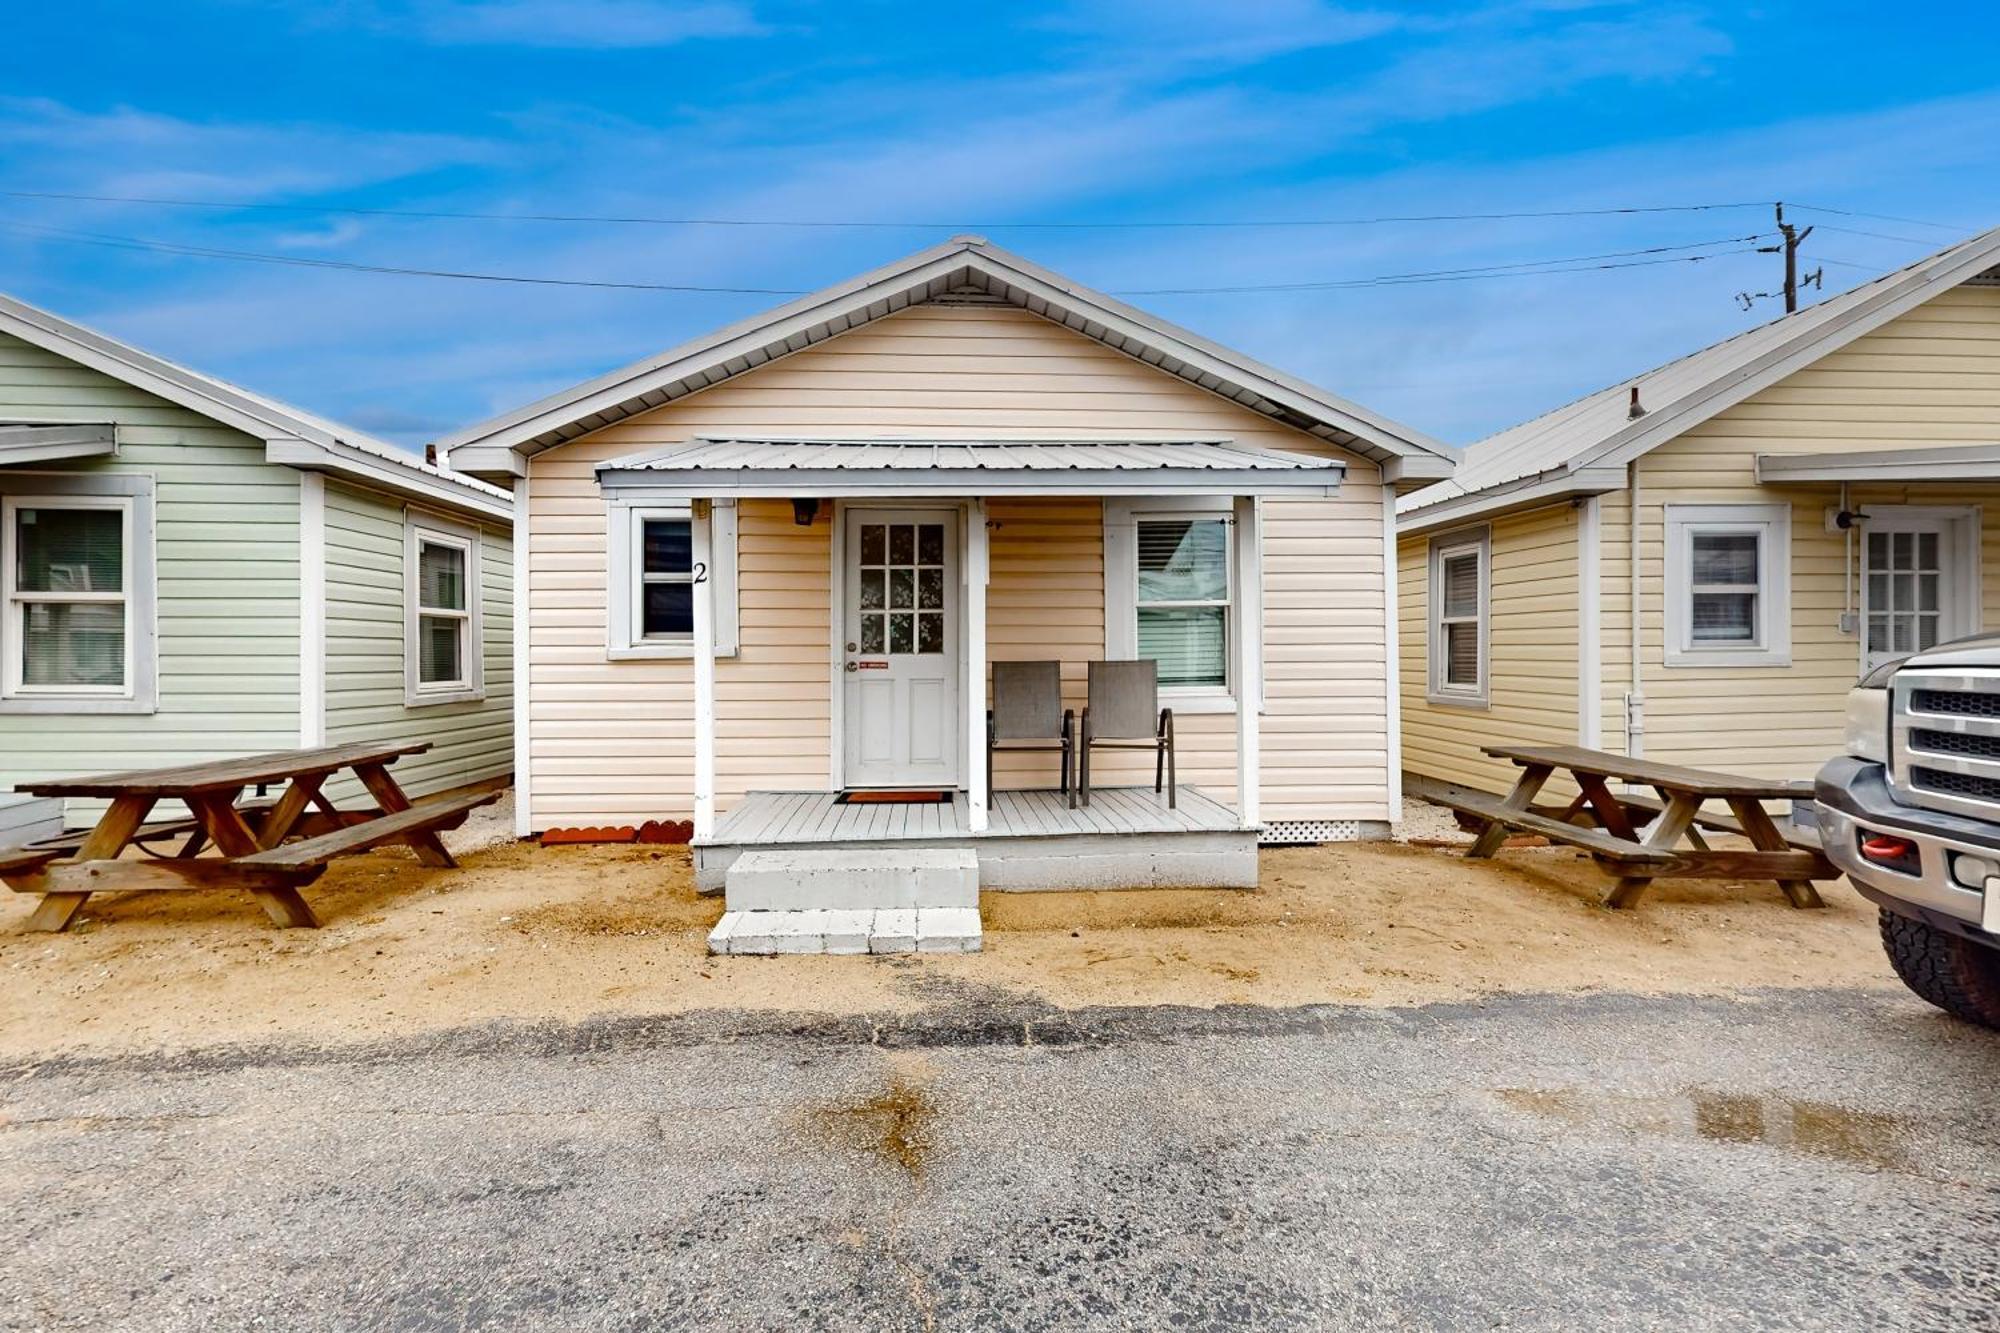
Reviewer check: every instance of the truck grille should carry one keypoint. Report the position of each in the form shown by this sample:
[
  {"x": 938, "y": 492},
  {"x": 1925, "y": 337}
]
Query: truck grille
[{"x": 1944, "y": 740}]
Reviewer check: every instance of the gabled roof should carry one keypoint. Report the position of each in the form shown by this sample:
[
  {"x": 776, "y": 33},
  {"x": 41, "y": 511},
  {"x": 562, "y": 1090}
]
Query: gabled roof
[
  {"x": 1583, "y": 447},
  {"x": 965, "y": 267},
  {"x": 298, "y": 439},
  {"x": 713, "y": 467}
]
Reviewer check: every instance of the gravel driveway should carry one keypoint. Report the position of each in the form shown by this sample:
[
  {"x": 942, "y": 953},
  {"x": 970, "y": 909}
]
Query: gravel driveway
[{"x": 1796, "y": 1160}]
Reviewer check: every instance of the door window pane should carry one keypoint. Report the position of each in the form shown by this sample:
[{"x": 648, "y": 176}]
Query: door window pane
[
  {"x": 901, "y": 632},
  {"x": 902, "y": 544},
  {"x": 930, "y": 589},
  {"x": 872, "y": 543},
  {"x": 871, "y": 634},
  {"x": 930, "y": 543},
  {"x": 871, "y": 590},
  {"x": 930, "y": 632},
  {"x": 902, "y": 589}
]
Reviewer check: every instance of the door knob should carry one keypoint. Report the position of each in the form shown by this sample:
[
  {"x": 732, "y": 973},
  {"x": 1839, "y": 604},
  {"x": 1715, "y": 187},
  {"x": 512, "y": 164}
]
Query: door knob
[
  {"x": 850, "y": 647},
  {"x": 852, "y": 667}
]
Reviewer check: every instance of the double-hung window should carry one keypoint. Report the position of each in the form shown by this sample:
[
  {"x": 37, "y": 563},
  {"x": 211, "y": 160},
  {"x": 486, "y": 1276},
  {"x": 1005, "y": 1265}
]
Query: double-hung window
[
  {"x": 1459, "y": 582},
  {"x": 69, "y": 627},
  {"x": 1727, "y": 587},
  {"x": 442, "y": 658},
  {"x": 1174, "y": 593},
  {"x": 1183, "y": 599},
  {"x": 658, "y": 553}
]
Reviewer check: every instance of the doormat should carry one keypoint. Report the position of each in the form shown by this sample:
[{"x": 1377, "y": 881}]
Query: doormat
[{"x": 893, "y": 798}]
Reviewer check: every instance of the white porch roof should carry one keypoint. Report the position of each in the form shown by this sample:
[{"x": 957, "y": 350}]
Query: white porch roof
[{"x": 806, "y": 468}]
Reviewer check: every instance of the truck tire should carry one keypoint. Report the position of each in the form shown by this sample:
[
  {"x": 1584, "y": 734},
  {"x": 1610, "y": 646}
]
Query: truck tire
[{"x": 1951, "y": 972}]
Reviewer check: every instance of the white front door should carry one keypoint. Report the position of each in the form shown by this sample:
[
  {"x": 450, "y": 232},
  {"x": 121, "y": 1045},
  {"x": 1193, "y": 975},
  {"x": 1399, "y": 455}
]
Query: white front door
[
  {"x": 1915, "y": 589},
  {"x": 900, "y": 635}
]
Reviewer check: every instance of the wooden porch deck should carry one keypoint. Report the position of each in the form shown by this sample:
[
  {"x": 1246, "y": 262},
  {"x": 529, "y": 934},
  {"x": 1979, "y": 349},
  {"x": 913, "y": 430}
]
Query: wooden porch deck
[
  {"x": 767, "y": 817},
  {"x": 1127, "y": 837}
]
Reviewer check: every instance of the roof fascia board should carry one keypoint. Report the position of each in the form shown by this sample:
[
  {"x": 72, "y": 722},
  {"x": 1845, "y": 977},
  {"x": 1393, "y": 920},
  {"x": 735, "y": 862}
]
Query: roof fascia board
[
  {"x": 383, "y": 474},
  {"x": 927, "y": 483},
  {"x": 1719, "y": 395},
  {"x": 1966, "y": 463},
  {"x": 1417, "y": 469},
  {"x": 23, "y": 443},
  {"x": 1569, "y": 484}
]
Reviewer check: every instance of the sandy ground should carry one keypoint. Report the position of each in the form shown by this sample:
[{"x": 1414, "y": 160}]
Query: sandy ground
[{"x": 531, "y": 933}]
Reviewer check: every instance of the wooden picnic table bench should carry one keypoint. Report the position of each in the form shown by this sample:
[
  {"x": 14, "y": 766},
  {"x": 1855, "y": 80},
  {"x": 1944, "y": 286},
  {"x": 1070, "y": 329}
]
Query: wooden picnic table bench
[
  {"x": 250, "y": 839},
  {"x": 1636, "y": 838}
]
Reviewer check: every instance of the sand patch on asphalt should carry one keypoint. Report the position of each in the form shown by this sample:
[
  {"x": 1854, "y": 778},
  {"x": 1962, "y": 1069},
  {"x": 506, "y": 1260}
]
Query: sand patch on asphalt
[{"x": 567, "y": 933}]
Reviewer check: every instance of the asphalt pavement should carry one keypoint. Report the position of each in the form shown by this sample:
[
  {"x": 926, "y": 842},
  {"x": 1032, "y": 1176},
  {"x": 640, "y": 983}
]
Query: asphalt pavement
[{"x": 1794, "y": 1160}]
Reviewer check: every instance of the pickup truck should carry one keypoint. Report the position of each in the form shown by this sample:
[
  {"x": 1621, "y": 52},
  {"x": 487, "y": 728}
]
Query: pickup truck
[{"x": 1911, "y": 813}]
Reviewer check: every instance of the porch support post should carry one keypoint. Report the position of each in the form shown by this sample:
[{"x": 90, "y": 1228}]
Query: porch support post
[
  {"x": 977, "y": 796},
  {"x": 704, "y": 674},
  {"x": 1247, "y": 649}
]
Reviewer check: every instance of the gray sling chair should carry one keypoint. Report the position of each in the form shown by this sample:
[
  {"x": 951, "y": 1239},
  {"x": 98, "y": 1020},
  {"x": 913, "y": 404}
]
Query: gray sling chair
[
  {"x": 1027, "y": 713},
  {"x": 1122, "y": 712}
]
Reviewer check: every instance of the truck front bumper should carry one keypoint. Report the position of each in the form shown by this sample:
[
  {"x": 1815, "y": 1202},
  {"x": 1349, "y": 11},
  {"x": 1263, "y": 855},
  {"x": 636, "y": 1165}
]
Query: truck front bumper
[{"x": 1853, "y": 800}]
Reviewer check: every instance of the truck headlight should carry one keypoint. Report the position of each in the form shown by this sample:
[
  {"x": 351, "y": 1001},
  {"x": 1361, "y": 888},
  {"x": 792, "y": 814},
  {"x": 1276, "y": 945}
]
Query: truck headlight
[{"x": 1868, "y": 724}]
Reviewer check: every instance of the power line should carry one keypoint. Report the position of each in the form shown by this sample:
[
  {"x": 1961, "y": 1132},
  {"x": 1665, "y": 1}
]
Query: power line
[
  {"x": 876, "y": 224},
  {"x": 1879, "y": 235},
  {"x": 1524, "y": 268},
  {"x": 1878, "y": 217}
]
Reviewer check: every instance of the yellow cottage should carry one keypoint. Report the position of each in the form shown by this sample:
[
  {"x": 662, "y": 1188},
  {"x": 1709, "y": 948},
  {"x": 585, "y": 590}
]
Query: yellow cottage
[
  {"x": 771, "y": 569},
  {"x": 1695, "y": 564}
]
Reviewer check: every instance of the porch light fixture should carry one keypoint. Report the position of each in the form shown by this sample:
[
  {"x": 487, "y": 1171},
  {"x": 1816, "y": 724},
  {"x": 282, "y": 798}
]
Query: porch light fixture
[{"x": 804, "y": 512}]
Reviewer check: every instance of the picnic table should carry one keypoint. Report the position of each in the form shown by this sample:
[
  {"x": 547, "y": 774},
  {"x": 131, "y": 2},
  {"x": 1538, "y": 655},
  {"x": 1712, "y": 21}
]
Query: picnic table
[
  {"x": 1639, "y": 839},
  {"x": 268, "y": 847}
]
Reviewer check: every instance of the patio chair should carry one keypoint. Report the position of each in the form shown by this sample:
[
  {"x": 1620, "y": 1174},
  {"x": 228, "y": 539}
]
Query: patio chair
[
  {"x": 1122, "y": 712},
  {"x": 1027, "y": 713}
]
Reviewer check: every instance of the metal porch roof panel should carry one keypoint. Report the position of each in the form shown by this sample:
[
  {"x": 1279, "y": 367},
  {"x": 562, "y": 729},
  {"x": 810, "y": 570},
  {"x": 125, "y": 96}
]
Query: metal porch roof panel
[{"x": 713, "y": 454}]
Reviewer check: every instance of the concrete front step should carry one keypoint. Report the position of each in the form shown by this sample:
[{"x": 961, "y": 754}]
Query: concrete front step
[
  {"x": 823, "y": 930},
  {"x": 853, "y": 879}
]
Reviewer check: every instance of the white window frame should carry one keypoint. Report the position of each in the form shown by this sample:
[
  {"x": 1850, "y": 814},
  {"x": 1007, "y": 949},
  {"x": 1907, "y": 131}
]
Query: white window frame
[
  {"x": 419, "y": 528},
  {"x": 1772, "y": 524},
  {"x": 1476, "y": 542},
  {"x": 713, "y": 547},
  {"x": 1121, "y": 592},
  {"x": 132, "y": 497}
]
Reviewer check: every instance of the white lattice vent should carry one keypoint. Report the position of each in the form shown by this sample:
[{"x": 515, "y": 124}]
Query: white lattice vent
[{"x": 1289, "y": 832}]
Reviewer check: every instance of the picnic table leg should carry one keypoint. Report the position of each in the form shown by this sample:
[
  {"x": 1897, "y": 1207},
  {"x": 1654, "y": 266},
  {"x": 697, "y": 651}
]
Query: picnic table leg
[
  {"x": 285, "y": 906},
  {"x": 1694, "y": 834},
  {"x": 1609, "y": 810},
  {"x": 286, "y": 812},
  {"x": 1675, "y": 820},
  {"x": 114, "y": 829},
  {"x": 426, "y": 844},
  {"x": 1764, "y": 836},
  {"x": 1525, "y": 790}
]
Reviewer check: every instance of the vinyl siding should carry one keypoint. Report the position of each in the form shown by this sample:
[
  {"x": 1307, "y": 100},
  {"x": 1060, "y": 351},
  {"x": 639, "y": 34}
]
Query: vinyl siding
[
  {"x": 1929, "y": 378},
  {"x": 470, "y": 741},
  {"x": 226, "y": 531},
  {"x": 1532, "y": 645},
  {"x": 612, "y": 740}
]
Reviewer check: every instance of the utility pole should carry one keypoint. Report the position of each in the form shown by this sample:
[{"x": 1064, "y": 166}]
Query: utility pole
[{"x": 1793, "y": 238}]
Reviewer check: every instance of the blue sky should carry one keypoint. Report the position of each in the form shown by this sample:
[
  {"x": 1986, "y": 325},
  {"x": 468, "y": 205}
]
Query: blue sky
[{"x": 946, "y": 116}]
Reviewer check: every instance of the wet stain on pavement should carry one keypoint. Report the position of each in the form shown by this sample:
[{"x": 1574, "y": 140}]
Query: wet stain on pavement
[
  {"x": 1816, "y": 1129},
  {"x": 896, "y": 1125}
]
